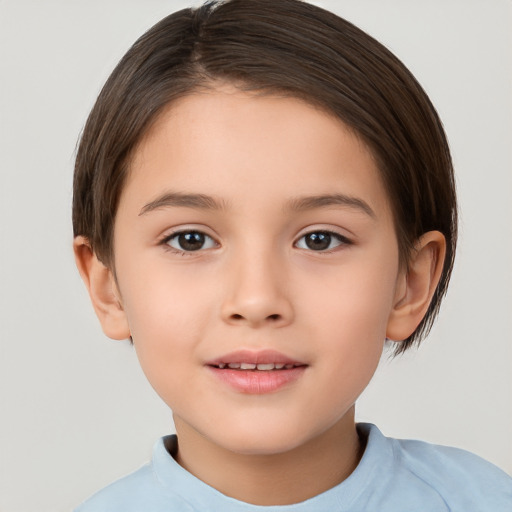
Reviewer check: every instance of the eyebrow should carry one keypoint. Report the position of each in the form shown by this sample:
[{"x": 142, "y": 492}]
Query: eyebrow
[
  {"x": 323, "y": 201},
  {"x": 299, "y": 204},
  {"x": 197, "y": 201}
]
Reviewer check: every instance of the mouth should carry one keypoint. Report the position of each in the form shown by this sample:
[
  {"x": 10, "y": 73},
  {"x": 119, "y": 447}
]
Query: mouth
[
  {"x": 264, "y": 367},
  {"x": 257, "y": 372}
]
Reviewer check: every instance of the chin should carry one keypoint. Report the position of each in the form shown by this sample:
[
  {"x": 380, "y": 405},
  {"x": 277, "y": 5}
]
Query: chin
[{"x": 264, "y": 440}]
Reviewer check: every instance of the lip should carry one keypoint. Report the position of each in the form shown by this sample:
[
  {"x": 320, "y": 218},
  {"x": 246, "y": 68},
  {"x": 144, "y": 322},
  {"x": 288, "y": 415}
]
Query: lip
[
  {"x": 254, "y": 357},
  {"x": 256, "y": 382}
]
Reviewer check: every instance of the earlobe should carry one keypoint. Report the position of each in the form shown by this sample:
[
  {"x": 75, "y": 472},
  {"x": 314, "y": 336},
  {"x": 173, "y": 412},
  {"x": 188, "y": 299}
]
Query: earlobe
[
  {"x": 416, "y": 285},
  {"x": 102, "y": 289}
]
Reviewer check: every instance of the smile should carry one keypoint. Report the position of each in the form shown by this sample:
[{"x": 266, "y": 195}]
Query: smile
[
  {"x": 261, "y": 366},
  {"x": 256, "y": 372}
]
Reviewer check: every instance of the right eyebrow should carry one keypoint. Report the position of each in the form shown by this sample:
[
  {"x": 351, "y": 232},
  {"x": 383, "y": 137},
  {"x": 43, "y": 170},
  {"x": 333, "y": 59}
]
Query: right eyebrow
[{"x": 197, "y": 201}]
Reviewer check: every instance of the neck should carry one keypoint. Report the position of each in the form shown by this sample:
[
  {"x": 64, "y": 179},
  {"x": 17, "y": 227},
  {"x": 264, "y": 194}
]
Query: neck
[{"x": 276, "y": 479}]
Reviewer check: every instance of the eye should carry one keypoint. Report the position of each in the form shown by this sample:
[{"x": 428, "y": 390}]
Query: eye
[
  {"x": 321, "y": 241},
  {"x": 189, "y": 241}
]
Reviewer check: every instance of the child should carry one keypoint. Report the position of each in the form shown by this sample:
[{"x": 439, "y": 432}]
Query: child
[{"x": 263, "y": 194}]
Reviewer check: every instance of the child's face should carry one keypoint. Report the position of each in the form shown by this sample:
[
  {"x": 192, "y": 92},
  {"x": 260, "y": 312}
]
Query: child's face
[{"x": 255, "y": 229}]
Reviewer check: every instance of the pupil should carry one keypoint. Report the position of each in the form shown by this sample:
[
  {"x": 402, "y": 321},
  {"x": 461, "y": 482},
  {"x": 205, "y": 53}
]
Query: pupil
[
  {"x": 318, "y": 241},
  {"x": 191, "y": 241}
]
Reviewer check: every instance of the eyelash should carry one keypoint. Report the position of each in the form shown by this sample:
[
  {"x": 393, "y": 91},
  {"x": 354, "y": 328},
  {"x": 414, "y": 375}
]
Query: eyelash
[
  {"x": 330, "y": 235},
  {"x": 183, "y": 252},
  {"x": 322, "y": 235}
]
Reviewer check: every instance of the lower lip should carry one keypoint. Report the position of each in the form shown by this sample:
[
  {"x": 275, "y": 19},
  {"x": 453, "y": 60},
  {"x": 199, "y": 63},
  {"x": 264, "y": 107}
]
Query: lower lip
[{"x": 258, "y": 382}]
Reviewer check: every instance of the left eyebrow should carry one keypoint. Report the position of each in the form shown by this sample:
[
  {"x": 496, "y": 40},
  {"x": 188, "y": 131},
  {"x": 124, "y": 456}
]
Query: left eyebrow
[
  {"x": 180, "y": 199},
  {"x": 323, "y": 201}
]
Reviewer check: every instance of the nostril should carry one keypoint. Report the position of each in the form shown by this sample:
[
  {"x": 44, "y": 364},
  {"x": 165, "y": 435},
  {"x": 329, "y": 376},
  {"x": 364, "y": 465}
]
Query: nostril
[{"x": 273, "y": 318}]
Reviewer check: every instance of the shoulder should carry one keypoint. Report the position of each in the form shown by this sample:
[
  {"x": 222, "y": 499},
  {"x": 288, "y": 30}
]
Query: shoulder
[
  {"x": 135, "y": 492},
  {"x": 436, "y": 462},
  {"x": 460, "y": 479},
  {"x": 140, "y": 490},
  {"x": 119, "y": 494}
]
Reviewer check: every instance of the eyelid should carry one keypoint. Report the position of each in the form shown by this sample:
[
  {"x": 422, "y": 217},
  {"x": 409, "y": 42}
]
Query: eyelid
[
  {"x": 342, "y": 233},
  {"x": 190, "y": 228},
  {"x": 343, "y": 239},
  {"x": 185, "y": 228}
]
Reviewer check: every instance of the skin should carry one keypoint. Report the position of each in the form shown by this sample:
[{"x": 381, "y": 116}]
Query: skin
[{"x": 255, "y": 284}]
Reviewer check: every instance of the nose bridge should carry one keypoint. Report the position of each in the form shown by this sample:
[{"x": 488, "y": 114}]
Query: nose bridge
[{"x": 257, "y": 292}]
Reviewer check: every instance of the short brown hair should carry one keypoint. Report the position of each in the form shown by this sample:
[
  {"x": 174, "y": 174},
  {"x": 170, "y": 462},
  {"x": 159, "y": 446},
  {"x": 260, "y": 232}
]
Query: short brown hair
[{"x": 274, "y": 46}]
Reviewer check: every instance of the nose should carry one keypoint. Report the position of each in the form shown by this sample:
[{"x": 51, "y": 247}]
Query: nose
[{"x": 257, "y": 294}]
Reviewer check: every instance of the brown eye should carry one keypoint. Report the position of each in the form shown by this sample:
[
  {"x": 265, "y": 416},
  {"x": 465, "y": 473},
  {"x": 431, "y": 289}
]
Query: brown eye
[
  {"x": 321, "y": 241},
  {"x": 318, "y": 241},
  {"x": 188, "y": 241}
]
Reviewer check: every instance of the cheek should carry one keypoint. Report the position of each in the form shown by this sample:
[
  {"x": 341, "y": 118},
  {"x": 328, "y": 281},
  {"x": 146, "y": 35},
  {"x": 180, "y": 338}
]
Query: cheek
[
  {"x": 164, "y": 339},
  {"x": 350, "y": 313},
  {"x": 166, "y": 317},
  {"x": 355, "y": 301},
  {"x": 162, "y": 302}
]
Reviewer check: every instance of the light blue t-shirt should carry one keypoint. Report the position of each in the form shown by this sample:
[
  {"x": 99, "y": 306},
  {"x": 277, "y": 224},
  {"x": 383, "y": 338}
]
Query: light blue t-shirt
[{"x": 392, "y": 476}]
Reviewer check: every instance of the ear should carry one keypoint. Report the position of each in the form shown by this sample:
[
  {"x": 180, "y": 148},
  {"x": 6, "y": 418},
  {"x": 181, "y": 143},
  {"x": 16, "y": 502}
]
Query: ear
[
  {"x": 103, "y": 291},
  {"x": 416, "y": 285}
]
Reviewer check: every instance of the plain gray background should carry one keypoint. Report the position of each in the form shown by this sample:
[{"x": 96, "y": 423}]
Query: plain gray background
[{"x": 76, "y": 410}]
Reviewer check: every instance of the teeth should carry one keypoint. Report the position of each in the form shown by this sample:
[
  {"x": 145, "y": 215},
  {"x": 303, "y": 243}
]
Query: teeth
[
  {"x": 259, "y": 366},
  {"x": 268, "y": 366}
]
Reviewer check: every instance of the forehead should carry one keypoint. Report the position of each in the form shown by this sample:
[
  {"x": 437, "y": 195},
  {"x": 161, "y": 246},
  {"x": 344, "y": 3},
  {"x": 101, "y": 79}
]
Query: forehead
[{"x": 240, "y": 146}]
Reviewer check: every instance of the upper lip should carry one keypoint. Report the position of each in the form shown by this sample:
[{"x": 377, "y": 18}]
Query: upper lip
[{"x": 254, "y": 357}]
